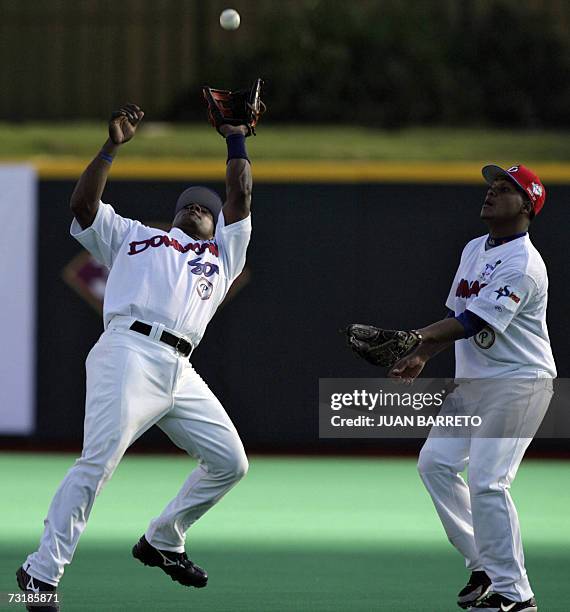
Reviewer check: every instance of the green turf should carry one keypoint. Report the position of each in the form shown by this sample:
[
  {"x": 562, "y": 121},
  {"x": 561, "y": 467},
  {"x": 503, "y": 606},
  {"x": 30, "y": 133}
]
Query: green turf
[
  {"x": 296, "y": 534},
  {"x": 293, "y": 142}
]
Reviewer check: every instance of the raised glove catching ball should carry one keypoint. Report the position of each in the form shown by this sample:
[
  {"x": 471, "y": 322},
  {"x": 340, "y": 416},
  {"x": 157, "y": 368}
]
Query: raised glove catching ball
[
  {"x": 381, "y": 347},
  {"x": 242, "y": 107}
]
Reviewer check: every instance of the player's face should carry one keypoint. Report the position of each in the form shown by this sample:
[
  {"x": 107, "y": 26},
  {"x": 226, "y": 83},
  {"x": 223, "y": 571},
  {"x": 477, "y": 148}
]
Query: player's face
[
  {"x": 196, "y": 221},
  {"x": 503, "y": 201}
]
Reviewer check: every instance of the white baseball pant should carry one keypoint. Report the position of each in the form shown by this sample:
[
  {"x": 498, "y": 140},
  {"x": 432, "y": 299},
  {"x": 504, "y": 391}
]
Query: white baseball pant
[
  {"x": 134, "y": 382},
  {"x": 480, "y": 519}
]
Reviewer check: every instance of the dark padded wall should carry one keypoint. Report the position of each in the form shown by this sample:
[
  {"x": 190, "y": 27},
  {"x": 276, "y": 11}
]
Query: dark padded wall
[{"x": 321, "y": 256}]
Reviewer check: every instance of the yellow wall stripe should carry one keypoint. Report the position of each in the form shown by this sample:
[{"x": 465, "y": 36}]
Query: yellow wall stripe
[{"x": 296, "y": 171}]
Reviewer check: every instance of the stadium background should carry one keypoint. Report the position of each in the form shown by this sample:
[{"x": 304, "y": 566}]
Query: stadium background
[{"x": 445, "y": 86}]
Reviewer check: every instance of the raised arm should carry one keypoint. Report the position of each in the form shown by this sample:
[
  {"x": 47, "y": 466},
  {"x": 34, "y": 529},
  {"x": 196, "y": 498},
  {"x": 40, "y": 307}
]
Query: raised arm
[
  {"x": 235, "y": 115},
  {"x": 239, "y": 180},
  {"x": 89, "y": 188}
]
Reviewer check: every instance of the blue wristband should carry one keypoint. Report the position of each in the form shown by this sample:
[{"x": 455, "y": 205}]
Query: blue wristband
[
  {"x": 106, "y": 157},
  {"x": 236, "y": 147}
]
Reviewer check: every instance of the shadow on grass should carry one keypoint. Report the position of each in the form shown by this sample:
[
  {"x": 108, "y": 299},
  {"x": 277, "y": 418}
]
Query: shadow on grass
[{"x": 265, "y": 579}]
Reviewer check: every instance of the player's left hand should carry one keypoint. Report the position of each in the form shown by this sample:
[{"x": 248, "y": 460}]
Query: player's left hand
[
  {"x": 380, "y": 347},
  {"x": 238, "y": 108},
  {"x": 124, "y": 122}
]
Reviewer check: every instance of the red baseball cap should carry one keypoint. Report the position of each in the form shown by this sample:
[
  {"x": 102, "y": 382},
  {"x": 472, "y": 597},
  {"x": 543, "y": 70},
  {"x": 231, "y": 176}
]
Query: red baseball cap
[{"x": 523, "y": 178}]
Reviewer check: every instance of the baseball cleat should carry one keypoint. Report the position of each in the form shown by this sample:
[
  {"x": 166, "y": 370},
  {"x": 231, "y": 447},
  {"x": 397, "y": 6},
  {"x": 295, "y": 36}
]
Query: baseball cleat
[
  {"x": 34, "y": 587},
  {"x": 176, "y": 565},
  {"x": 478, "y": 586},
  {"x": 495, "y": 602}
]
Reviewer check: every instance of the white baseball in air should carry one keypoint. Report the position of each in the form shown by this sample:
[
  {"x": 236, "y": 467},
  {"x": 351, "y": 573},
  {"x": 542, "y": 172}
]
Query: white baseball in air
[{"x": 230, "y": 19}]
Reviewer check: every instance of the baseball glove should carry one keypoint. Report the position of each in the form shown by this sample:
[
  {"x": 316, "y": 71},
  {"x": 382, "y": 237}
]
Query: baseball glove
[
  {"x": 242, "y": 107},
  {"x": 381, "y": 347}
]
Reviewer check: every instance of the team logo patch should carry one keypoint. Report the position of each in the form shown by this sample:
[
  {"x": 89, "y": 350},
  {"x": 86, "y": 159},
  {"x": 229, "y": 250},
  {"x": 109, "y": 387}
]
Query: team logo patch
[
  {"x": 489, "y": 269},
  {"x": 513, "y": 169},
  {"x": 204, "y": 288},
  {"x": 506, "y": 292},
  {"x": 485, "y": 338},
  {"x": 503, "y": 292},
  {"x": 536, "y": 189}
]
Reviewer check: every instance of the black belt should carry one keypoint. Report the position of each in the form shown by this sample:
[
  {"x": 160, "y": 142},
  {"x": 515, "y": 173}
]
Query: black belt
[{"x": 180, "y": 344}]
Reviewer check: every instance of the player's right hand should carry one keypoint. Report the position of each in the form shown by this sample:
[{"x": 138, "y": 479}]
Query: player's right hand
[
  {"x": 124, "y": 122},
  {"x": 408, "y": 368}
]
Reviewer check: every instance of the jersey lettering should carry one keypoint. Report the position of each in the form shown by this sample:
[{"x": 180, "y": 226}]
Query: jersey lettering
[
  {"x": 138, "y": 246},
  {"x": 465, "y": 289}
]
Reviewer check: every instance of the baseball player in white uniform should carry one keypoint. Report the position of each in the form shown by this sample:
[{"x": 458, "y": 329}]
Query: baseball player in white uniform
[
  {"x": 497, "y": 321},
  {"x": 163, "y": 289}
]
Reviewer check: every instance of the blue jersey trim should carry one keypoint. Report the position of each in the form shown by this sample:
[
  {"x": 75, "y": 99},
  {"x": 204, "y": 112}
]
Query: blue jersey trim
[
  {"x": 471, "y": 322},
  {"x": 494, "y": 242}
]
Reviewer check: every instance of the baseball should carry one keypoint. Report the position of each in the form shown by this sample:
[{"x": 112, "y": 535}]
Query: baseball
[{"x": 230, "y": 19}]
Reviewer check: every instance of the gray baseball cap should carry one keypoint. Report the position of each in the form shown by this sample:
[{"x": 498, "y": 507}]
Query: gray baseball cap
[{"x": 200, "y": 195}]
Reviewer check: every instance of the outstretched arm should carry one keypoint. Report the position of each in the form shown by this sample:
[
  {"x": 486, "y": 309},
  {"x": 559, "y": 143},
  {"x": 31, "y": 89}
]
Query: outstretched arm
[
  {"x": 436, "y": 338},
  {"x": 239, "y": 181},
  {"x": 89, "y": 188}
]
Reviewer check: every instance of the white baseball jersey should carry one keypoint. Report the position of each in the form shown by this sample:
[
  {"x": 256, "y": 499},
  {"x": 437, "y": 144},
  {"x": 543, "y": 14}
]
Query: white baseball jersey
[
  {"x": 507, "y": 286},
  {"x": 164, "y": 277}
]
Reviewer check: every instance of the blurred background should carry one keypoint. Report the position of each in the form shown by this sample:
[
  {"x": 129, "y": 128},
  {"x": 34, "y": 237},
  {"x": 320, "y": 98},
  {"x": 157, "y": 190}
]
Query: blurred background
[
  {"x": 388, "y": 64},
  {"x": 367, "y": 185}
]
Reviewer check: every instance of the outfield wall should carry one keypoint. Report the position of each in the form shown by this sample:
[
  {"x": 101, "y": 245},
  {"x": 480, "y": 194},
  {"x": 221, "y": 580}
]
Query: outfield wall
[{"x": 322, "y": 255}]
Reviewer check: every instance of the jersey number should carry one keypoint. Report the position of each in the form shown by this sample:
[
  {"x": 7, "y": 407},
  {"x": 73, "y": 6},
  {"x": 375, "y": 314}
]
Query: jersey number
[{"x": 206, "y": 268}]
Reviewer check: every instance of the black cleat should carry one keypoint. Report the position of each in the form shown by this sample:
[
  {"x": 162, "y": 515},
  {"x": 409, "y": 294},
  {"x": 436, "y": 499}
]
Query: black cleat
[
  {"x": 478, "y": 587},
  {"x": 34, "y": 587},
  {"x": 176, "y": 565},
  {"x": 495, "y": 602}
]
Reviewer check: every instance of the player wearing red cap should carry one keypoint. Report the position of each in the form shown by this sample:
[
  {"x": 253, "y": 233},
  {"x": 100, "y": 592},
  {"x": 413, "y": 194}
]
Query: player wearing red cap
[{"x": 497, "y": 322}]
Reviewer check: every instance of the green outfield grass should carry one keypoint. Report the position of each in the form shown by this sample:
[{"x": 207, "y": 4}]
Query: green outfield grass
[
  {"x": 293, "y": 142},
  {"x": 309, "y": 535}
]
